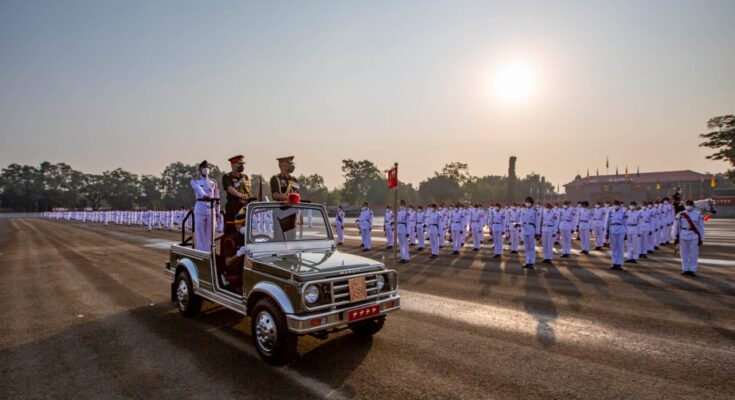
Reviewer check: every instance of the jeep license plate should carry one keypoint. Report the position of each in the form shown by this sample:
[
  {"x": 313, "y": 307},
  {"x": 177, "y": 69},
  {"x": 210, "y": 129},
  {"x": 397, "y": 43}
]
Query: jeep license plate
[
  {"x": 362, "y": 313},
  {"x": 358, "y": 290}
]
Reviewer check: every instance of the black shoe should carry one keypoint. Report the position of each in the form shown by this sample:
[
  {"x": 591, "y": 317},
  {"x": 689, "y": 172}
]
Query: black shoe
[
  {"x": 388, "y": 247},
  {"x": 514, "y": 252},
  {"x": 433, "y": 256},
  {"x": 584, "y": 252},
  {"x": 496, "y": 256},
  {"x": 616, "y": 267},
  {"x": 685, "y": 272},
  {"x": 365, "y": 249},
  {"x": 475, "y": 249},
  {"x": 657, "y": 248},
  {"x": 631, "y": 261},
  {"x": 644, "y": 256},
  {"x": 403, "y": 261},
  {"x": 455, "y": 252},
  {"x": 598, "y": 248},
  {"x": 529, "y": 266},
  {"x": 546, "y": 261},
  {"x": 340, "y": 244},
  {"x": 692, "y": 273},
  {"x": 565, "y": 256},
  {"x": 420, "y": 249},
  {"x": 649, "y": 252},
  {"x": 411, "y": 244}
]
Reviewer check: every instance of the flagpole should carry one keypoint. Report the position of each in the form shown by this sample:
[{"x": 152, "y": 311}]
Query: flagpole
[{"x": 395, "y": 219}]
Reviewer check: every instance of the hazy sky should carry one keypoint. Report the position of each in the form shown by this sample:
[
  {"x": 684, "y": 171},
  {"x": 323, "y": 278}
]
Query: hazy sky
[{"x": 138, "y": 85}]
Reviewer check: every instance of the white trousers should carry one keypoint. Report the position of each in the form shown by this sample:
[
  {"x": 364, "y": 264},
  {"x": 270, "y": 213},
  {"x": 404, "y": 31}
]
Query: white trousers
[
  {"x": 421, "y": 235},
  {"x": 403, "y": 241},
  {"x": 389, "y": 235},
  {"x": 617, "y": 247},
  {"x": 434, "y": 239},
  {"x": 547, "y": 244},
  {"x": 529, "y": 245},
  {"x": 366, "y": 238},
  {"x": 476, "y": 235},
  {"x": 584, "y": 236},
  {"x": 689, "y": 250},
  {"x": 566, "y": 241},
  {"x": 633, "y": 245},
  {"x": 514, "y": 237},
  {"x": 340, "y": 234},
  {"x": 203, "y": 225},
  {"x": 498, "y": 240}
]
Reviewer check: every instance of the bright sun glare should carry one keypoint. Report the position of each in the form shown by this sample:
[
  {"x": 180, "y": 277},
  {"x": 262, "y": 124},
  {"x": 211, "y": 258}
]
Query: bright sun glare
[{"x": 514, "y": 83}]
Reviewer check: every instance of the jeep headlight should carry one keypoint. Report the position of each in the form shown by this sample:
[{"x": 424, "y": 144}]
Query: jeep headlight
[
  {"x": 380, "y": 281},
  {"x": 311, "y": 294}
]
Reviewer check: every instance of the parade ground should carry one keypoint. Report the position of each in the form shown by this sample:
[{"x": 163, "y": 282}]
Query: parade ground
[{"x": 86, "y": 313}]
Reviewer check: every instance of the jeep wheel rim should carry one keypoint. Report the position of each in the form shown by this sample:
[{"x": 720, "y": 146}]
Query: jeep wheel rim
[
  {"x": 265, "y": 332},
  {"x": 182, "y": 294}
]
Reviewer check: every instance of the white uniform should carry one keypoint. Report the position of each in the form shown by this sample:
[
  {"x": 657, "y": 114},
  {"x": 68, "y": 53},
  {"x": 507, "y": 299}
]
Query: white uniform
[
  {"x": 497, "y": 222},
  {"x": 457, "y": 221},
  {"x": 477, "y": 224},
  {"x": 402, "y": 231},
  {"x": 388, "y": 228},
  {"x": 549, "y": 228},
  {"x": 411, "y": 226},
  {"x": 203, "y": 221},
  {"x": 420, "y": 223},
  {"x": 616, "y": 228},
  {"x": 514, "y": 229},
  {"x": 432, "y": 219},
  {"x": 690, "y": 236},
  {"x": 365, "y": 222},
  {"x": 530, "y": 220},
  {"x": 633, "y": 243},
  {"x": 584, "y": 224},
  {"x": 599, "y": 222},
  {"x": 339, "y": 223},
  {"x": 567, "y": 224}
]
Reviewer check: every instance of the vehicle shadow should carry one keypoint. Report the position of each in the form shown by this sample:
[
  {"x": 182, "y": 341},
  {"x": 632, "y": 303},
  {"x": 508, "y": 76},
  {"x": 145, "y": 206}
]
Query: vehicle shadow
[
  {"x": 146, "y": 352},
  {"x": 537, "y": 303}
]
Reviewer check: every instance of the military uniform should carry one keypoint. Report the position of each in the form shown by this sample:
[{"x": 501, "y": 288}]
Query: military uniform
[
  {"x": 690, "y": 235},
  {"x": 204, "y": 223},
  {"x": 339, "y": 224},
  {"x": 365, "y": 223},
  {"x": 617, "y": 229},
  {"x": 388, "y": 228},
  {"x": 402, "y": 231},
  {"x": 549, "y": 229},
  {"x": 530, "y": 221}
]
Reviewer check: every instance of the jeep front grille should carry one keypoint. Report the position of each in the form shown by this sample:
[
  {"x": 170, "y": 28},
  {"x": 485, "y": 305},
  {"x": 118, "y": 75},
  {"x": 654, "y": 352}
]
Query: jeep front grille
[{"x": 339, "y": 290}]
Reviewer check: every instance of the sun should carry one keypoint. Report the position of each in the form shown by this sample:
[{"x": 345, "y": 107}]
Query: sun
[{"x": 514, "y": 83}]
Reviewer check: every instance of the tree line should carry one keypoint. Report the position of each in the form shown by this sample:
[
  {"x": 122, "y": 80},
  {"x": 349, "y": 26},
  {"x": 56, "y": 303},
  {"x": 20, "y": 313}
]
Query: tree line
[{"x": 49, "y": 186}]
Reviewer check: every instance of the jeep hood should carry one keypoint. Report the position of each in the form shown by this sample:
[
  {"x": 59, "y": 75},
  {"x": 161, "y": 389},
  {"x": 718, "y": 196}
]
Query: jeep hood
[{"x": 321, "y": 262}]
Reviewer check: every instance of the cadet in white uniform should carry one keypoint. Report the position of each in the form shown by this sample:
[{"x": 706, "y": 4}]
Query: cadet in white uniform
[
  {"x": 584, "y": 226},
  {"x": 599, "y": 221},
  {"x": 633, "y": 240},
  {"x": 689, "y": 236},
  {"x": 514, "y": 228},
  {"x": 411, "y": 225},
  {"x": 402, "y": 231},
  {"x": 566, "y": 228},
  {"x": 616, "y": 229},
  {"x": 339, "y": 223},
  {"x": 204, "y": 189},
  {"x": 365, "y": 222},
  {"x": 549, "y": 229},
  {"x": 433, "y": 218},
  {"x": 497, "y": 222},
  {"x": 477, "y": 216},
  {"x": 420, "y": 223},
  {"x": 388, "y": 227},
  {"x": 457, "y": 223},
  {"x": 530, "y": 220}
]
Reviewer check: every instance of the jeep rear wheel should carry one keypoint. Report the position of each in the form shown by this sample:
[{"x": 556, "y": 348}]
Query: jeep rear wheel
[
  {"x": 274, "y": 342},
  {"x": 189, "y": 303},
  {"x": 369, "y": 327}
]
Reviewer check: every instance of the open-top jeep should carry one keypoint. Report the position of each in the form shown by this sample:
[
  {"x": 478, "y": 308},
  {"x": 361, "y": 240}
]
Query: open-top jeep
[{"x": 293, "y": 280}]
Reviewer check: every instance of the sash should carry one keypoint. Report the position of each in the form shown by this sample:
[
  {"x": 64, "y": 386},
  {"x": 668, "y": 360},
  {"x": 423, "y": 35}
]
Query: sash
[{"x": 691, "y": 225}]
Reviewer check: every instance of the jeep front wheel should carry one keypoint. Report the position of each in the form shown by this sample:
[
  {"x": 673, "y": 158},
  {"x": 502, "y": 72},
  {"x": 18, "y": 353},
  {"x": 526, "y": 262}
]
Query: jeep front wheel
[
  {"x": 189, "y": 303},
  {"x": 274, "y": 342},
  {"x": 369, "y": 327}
]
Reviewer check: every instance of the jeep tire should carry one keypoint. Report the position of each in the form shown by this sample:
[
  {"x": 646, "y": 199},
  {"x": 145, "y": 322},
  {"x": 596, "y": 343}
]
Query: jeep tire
[
  {"x": 189, "y": 303},
  {"x": 275, "y": 344},
  {"x": 368, "y": 327}
]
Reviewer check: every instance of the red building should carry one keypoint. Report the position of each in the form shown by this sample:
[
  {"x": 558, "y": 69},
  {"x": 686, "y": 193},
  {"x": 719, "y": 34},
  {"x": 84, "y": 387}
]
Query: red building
[{"x": 642, "y": 186}]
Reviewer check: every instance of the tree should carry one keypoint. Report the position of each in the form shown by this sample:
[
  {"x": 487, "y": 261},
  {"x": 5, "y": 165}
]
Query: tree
[
  {"x": 255, "y": 181},
  {"x": 176, "y": 185},
  {"x": 93, "y": 190},
  {"x": 312, "y": 188},
  {"x": 120, "y": 188},
  {"x": 149, "y": 192},
  {"x": 457, "y": 171},
  {"x": 363, "y": 182},
  {"x": 721, "y": 139},
  {"x": 486, "y": 190},
  {"x": 440, "y": 189}
]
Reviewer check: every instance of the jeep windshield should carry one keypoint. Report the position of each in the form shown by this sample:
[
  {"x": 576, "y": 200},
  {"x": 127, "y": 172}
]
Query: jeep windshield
[{"x": 281, "y": 222}]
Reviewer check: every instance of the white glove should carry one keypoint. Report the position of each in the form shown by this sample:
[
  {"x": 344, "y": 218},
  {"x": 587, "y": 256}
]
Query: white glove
[{"x": 241, "y": 251}]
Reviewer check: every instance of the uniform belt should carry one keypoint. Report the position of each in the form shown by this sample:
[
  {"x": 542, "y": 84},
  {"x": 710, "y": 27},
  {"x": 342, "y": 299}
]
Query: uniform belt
[
  {"x": 549, "y": 226},
  {"x": 434, "y": 225},
  {"x": 632, "y": 224},
  {"x": 584, "y": 220},
  {"x": 686, "y": 229},
  {"x": 401, "y": 223},
  {"x": 616, "y": 224}
]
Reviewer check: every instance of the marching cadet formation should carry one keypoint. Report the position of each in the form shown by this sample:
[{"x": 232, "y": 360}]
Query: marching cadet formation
[{"x": 630, "y": 233}]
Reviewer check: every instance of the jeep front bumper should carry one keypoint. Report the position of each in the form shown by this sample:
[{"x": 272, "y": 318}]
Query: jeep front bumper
[{"x": 336, "y": 318}]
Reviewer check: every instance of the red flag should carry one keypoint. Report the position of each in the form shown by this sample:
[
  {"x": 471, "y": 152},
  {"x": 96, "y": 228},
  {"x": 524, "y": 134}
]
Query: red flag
[{"x": 392, "y": 177}]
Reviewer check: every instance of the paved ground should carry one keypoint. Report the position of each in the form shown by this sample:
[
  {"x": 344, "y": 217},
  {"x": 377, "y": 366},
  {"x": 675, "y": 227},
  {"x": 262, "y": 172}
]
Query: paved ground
[{"x": 85, "y": 314}]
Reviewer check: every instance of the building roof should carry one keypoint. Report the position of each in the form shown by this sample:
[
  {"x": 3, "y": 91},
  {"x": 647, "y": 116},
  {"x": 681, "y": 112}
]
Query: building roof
[{"x": 643, "y": 178}]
